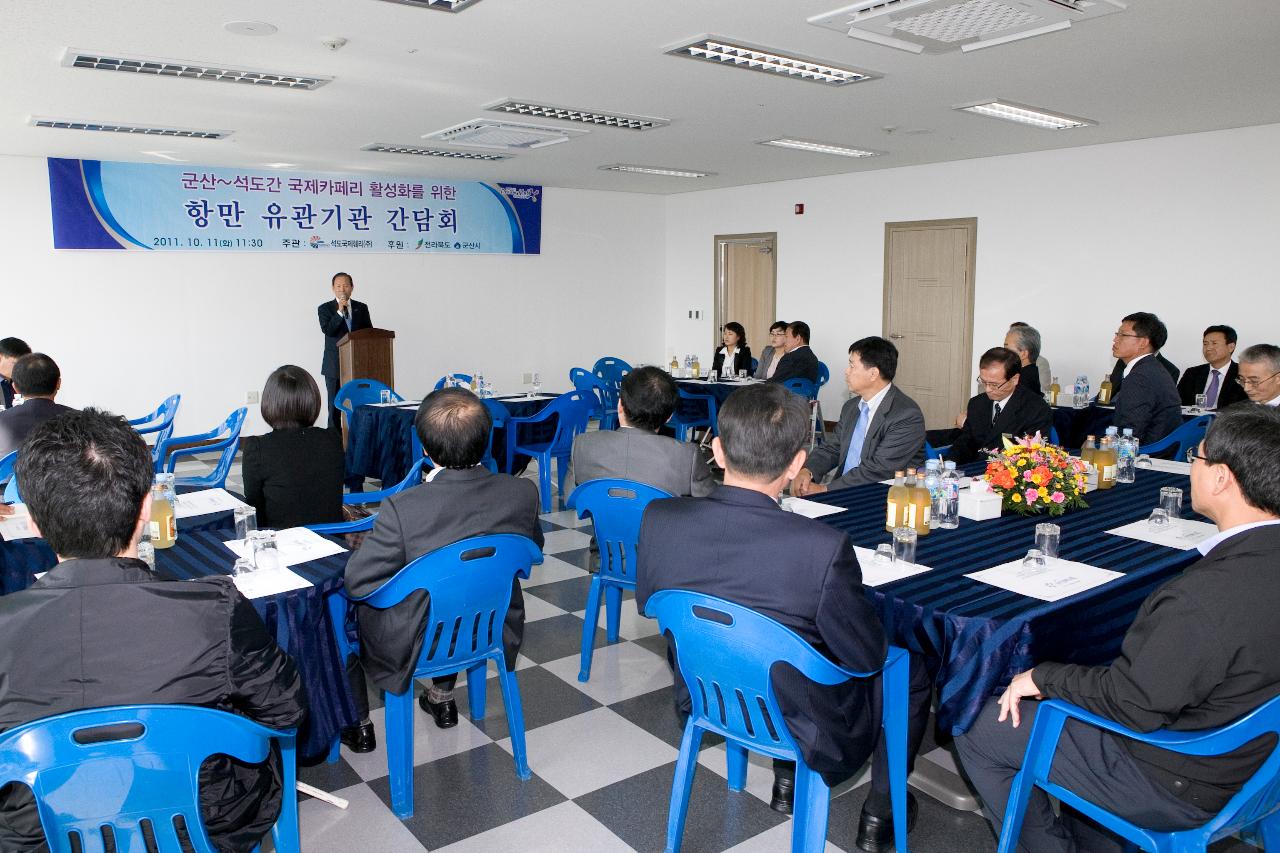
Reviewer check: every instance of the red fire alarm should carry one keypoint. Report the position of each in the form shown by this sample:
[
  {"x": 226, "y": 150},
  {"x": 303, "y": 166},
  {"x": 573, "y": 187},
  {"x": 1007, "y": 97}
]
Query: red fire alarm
[{"x": 799, "y": 210}]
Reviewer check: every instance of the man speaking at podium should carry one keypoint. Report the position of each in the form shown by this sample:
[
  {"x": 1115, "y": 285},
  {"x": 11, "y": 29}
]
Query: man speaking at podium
[{"x": 340, "y": 315}]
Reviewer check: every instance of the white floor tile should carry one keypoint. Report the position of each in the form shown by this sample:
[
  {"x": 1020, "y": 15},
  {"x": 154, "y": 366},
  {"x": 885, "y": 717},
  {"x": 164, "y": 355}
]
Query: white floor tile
[
  {"x": 535, "y": 608},
  {"x": 773, "y": 840},
  {"x": 429, "y": 742},
  {"x": 566, "y": 518},
  {"x": 564, "y": 540},
  {"x": 631, "y": 625},
  {"x": 555, "y": 830},
  {"x": 552, "y": 570},
  {"x": 618, "y": 672},
  {"x": 365, "y": 825}
]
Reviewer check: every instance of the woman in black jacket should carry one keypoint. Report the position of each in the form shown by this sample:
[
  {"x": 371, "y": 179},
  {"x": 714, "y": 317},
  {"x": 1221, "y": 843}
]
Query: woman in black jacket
[{"x": 735, "y": 355}]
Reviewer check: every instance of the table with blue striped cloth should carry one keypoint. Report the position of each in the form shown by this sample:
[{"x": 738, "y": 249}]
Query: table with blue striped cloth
[
  {"x": 976, "y": 637},
  {"x": 691, "y": 409},
  {"x": 1075, "y": 425}
]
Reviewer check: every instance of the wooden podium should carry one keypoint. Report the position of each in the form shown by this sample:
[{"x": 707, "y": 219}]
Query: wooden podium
[{"x": 368, "y": 354}]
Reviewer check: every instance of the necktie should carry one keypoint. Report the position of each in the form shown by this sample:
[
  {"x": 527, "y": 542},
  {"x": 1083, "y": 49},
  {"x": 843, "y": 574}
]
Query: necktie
[
  {"x": 855, "y": 444},
  {"x": 1211, "y": 393},
  {"x": 995, "y": 413},
  {"x": 347, "y": 317}
]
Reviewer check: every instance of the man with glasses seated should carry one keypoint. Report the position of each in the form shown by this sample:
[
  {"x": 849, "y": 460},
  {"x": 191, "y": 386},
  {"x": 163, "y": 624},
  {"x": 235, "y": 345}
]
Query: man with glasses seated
[
  {"x": 1259, "y": 374},
  {"x": 799, "y": 362},
  {"x": 1199, "y": 655},
  {"x": 1004, "y": 408},
  {"x": 1148, "y": 403}
]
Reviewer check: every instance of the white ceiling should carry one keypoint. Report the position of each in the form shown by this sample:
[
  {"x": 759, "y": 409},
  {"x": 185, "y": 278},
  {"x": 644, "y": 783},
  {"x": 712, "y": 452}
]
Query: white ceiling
[{"x": 1162, "y": 67}]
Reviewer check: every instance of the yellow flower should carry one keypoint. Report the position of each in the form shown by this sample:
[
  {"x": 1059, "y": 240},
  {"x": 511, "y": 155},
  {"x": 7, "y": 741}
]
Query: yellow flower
[
  {"x": 1017, "y": 497},
  {"x": 1044, "y": 492}
]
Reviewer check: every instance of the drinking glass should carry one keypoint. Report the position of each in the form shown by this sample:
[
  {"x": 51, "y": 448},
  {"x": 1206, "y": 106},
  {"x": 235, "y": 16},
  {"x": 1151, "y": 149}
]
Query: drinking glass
[
  {"x": 246, "y": 518},
  {"x": 1047, "y": 538},
  {"x": 1143, "y": 461},
  {"x": 904, "y": 544},
  {"x": 1171, "y": 501},
  {"x": 1034, "y": 563},
  {"x": 1079, "y": 401},
  {"x": 742, "y": 376},
  {"x": 537, "y": 384},
  {"x": 1200, "y": 399},
  {"x": 713, "y": 376},
  {"x": 884, "y": 553},
  {"x": 384, "y": 396},
  {"x": 1158, "y": 520},
  {"x": 265, "y": 550}
]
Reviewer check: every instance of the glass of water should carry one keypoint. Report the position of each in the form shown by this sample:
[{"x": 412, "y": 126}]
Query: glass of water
[
  {"x": 537, "y": 384},
  {"x": 1034, "y": 563},
  {"x": 904, "y": 544},
  {"x": 384, "y": 396},
  {"x": 1200, "y": 400},
  {"x": 1171, "y": 501},
  {"x": 1047, "y": 538},
  {"x": 742, "y": 376},
  {"x": 713, "y": 376},
  {"x": 1158, "y": 520},
  {"x": 884, "y": 554},
  {"x": 246, "y": 518},
  {"x": 265, "y": 550}
]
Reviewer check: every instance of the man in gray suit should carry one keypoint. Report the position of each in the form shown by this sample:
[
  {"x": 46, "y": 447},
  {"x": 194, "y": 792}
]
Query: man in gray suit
[
  {"x": 881, "y": 430},
  {"x": 37, "y": 378},
  {"x": 635, "y": 451},
  {"x": 459, "y": 500}
]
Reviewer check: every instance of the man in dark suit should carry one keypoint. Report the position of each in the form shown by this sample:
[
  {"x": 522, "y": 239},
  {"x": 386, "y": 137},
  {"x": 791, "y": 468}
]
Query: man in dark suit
[
  {"x": 1200, "y": 654},
  {"x": 37, "y": 378},
  {"x": 1260, "y": 374},
  {"x": 459, "y": 500},
  {"x": 635, "y": 451},
  {"x": 11, "y": 349},
  {"x": 338, "y": 317},
  {"x": 1216, "y": 378},
  {"x": 1149, "y": 403},
  {"x": 1005, "y": 408},
  {"x": 1025, "y": 341},
  {"x": 799, "y": 361},
  {"x": 1119, "y": 373},
  {"x": 881, "y": 429},
  {"x": 798, "y": 571},
  {"x": 100, "y": 629}
]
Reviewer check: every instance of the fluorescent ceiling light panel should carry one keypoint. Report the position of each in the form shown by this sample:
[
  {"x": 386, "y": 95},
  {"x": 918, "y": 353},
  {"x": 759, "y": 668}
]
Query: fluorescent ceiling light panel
[
  {"x": 656, "y": 170},
  {"x": 740, "y": 55},
  {"x": 1023, "y": 114},
  {"x": 387, "y": 148},
  {"x": 438, "y": 5},
  {"x": 190, "y": 70},
  {"x": 594, "y": 117},
  {"x": 503, "y": 135},
  {"x": 140, "y": 130},
  {"x": 820, "y": 147}
]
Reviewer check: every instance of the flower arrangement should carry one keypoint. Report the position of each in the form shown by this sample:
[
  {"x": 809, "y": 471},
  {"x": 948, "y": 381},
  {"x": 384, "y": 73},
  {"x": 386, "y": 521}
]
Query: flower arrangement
[{"x": 1032, "y": 476}]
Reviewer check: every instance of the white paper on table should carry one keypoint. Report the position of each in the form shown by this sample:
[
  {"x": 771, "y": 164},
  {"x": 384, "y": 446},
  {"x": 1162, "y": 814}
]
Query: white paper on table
[
  {"x": 206, "y": 501},
  {"x": 517, "y": 397},
  {"x": 392, "y": 404},
  {"x": 875, "y": 573},
  {"x": 1171, "y": 466},
  {"x": 266, "y": 582},
  {"x": 16, "y": 526},
  {"x": 1059, "y": 579},
  {"x": 1180, "y": 533},
  {"x": 296, "y": 545},
  {"x": 810, "y": 509}
]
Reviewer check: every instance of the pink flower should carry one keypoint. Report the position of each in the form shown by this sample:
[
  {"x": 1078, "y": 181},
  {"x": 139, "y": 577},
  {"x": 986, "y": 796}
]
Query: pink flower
[
  {"x": 1032, "y": 495},
  {"x": 1057, "y": 497}
]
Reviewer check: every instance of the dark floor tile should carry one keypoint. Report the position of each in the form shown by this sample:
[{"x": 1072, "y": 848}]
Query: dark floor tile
[
  {"x": 655, "y": 712},
  {"x": 555, "y": 637},
  {"x": 568, "y": 594},
  {"x": 468, "y": 793},
  {"x": 544, "y": 699},
  {"x": 938, "y": 829},
  {"x": 655, "y": 643},
  {"x": 636, "y": 810},
  {"x": 583, "y": 558},
  {"x": 329, "y": 777}
]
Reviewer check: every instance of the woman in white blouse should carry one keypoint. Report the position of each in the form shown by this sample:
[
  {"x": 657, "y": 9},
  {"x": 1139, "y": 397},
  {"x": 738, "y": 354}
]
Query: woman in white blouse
[{"x": 735, "y": 355}]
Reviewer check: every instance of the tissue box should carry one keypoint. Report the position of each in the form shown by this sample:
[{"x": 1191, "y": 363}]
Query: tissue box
[{"x": 979, "y": 505}]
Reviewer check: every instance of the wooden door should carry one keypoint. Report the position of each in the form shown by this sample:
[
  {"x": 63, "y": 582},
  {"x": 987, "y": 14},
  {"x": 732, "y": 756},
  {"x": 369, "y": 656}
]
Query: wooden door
[
  {"x": 928, "y": 312},
  {"x": 746, "y": 285}
]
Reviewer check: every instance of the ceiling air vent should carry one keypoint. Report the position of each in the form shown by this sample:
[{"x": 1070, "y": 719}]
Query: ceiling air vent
[
  {"x": 596, "y": 117},
  {"x": 423, "y": 151},
  {"x": 503, "y": 135},
  {"x": 942, "y": 26},
  {"x": 140, "y": 130},
  {"x": 441, "y": 5},
  {"x": 183, "y": 69}
]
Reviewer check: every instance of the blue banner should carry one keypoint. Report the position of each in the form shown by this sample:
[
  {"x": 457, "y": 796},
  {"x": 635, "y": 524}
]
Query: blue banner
[{"x": 107, "y": 205}]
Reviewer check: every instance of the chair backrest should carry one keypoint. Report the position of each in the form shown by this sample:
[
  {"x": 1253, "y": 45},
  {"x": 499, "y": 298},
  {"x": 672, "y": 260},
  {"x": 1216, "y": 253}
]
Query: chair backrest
[
  {"x": 725, "y": 652},
  {"x": 616, "y": 507},
  {"x": 611, "y": 369},
  {"x": 361, "y": 392},
  {"x": 90, "y": 781},
  {"x": 755, "y": 365},
  {"x": 572, "y": 411},
  {"x": 6, "y": 465},
  {"x": 706, "y": 400},
  {"x": 824, "y": 375},
  {"x": 469, "y": 583},
  {"x": 1190, "y": 434},
  {"x": 588, "y": 383},
  {"x": 160, "y": 421},
  {"x": 11, "y": 493},
  {"x": 803, "y": 387}
]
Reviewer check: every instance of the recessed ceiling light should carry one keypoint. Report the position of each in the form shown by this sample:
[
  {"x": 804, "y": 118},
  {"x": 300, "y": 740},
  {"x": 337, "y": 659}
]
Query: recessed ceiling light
[
  {"x": 440, "y": 5},
  {"x": 387, "y": 148},
  {"x": 166, "y": 155},
  {"x": 250, "y": 28},
  {"x": 190, "y": 70},
  {"x": 282, "y": 165},
  {"x": 820, "y": 147},
  {"x": 656, "y": 170},
  {"x": 752, "y": 58},
  {"x": 1023, "y": 114},
  {"x": 141, "y": 130},
  {"x": 595, "y": 117}
]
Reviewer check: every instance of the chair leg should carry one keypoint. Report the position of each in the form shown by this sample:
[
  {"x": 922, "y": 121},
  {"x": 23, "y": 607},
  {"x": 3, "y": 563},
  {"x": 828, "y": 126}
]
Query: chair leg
[
  {"x": 896, "y": 690},
  {"x": 515, "y": 719},
  {"x": 285, "y": 832},
  {"x": 613, "y": 611},
  {"x": 590, "y": 619},
  {"x": 562, "y": 468},
  {"x": 682, "y": 785},
  {"x": 476, "y": 684},
  {"x": 736, "y": 759},
  {"x": 812, "y": 805},
  {"x": 335, "y": 750},
  {"x": 399, "y": 728},
  {"x": 544, "y": 480}
]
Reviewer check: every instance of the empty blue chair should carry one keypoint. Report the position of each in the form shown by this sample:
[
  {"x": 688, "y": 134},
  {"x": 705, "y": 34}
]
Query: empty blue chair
[
  {"x": 463, "y": 378},
  {"x": 824, "y": 375},
  {"x": 611, "y": 369},
  {"x": 1182, "y": 439},
  {"x": 336, "y": 528},
  {"x": 803, "y": 387},
  {"x": 684, "y": 424},
  {"x": 147, "y": 774},
  {"x": 469, "y": 583},
  {"x": 616, "y": 507},
  {"x": 225, "y": 438},
  {"x": 931, "y": 452},
  {"x": 726, "y": 652},
  {"x": 361, "y": 392},
  {"x": 1257, "y": 803},
  {"x": 160, "y": 421},
  {"x": 606, "y": 396},
  {"x": 571, "y": 411}
]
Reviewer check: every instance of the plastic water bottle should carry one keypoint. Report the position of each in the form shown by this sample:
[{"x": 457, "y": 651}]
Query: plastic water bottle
[
  {"x": 933, "y": 485},
  {"x": 147, "y": 551},
  {"x": 1081, "y": 397},
  {"x": 949, "y": 514},
  {"x": 1126, "y": 457}
]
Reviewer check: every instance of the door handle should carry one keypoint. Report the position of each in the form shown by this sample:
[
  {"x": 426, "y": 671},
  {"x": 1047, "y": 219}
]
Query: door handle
[{"x": 897, "y": 337}]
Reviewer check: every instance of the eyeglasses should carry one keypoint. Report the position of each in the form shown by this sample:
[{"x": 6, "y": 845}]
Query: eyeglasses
[
  {"x": 1127, "y": 335},
  {"x": 1254, "y": 383},
  {"x": 1192, "y": 456},
  {"x": 992, "y": 386}
]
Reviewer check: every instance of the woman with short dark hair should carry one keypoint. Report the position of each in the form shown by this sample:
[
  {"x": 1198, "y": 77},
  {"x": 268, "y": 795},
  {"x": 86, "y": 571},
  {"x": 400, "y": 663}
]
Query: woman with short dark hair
[
  {"x": 735, "y": 355},
  {"x": 774, "y": 352},
  {"x": 293, "y": 475}
]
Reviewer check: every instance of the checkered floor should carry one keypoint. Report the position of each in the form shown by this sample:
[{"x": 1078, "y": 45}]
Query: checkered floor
[{"x": 602, "y": 755}]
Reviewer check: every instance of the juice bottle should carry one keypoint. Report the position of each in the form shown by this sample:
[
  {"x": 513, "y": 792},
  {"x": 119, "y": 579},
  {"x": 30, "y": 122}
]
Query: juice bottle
[
  {"x": 1054, "y": 390},
  {"x": 697, "y": 368},
  {"x": 919, "y": 505},
  {"x": 1105, "y": 460},
  {"x": 1104, "y": 393},
  {"x": 897, "y": 500},
  {"x": 164, "y": 524}
]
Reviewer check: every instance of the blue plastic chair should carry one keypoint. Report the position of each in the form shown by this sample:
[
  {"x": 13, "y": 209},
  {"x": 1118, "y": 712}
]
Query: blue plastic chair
[
  {"x": 611, "y": 369},
  {"x": 572, "y": 411},
  {"x": 1053, "y": 436},
  {"x": 1258, "y": 802},
  {"x": 336, "y": 528},
  {"x": 606, "y": 396},
  {"x": 1184, "y": 438},
  {"x": 147, "y": 774},
  {"x": 361, "y": 392},
  {"x": 824, "y": 375},
  {"x": 6, "y": 465},
  {"x": 225, "y": 438},
  {"x": 160, "y": 421},
  {"x": 685, "y": 425},
  {"x": 616, "y": 507},
  {"x": 469, "y": 584},
  {"x": 931, "y": 452},
  {"x": 11, "y": 493},
  {"x": 803, "y": 387},
  {"x": 497, "y": 412},
  {"x": 725, "y": 654},
  {"x": 755, "y": 365},
  {"x": 464, "y": 378}
]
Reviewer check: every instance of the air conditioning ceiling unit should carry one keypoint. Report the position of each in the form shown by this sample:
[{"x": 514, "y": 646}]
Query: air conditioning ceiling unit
[
  {"x": 942, "y": 26},
  {"x": 503, "y": 135}
]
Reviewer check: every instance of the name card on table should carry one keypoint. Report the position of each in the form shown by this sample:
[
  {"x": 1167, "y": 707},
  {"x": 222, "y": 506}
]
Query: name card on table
[
  {"x": 296, "y": 545},
  {"x": 876, "y": 572},
  {"x": 810, "y": 509},
  {"x": 1058, "y": 579},
  {"x": 206, "y": 501},
  {"x": 1169, "y": 466},
  {"x": 17, "y": 526},
  {"x": 1182, "y": 534},
  {"x": 264, "y": 582}
]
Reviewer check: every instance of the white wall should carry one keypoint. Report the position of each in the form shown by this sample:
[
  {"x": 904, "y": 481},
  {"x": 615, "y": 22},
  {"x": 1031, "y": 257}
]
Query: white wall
[
  {"x": 128, "y": 328},
  {"x": 1069, "y": 241}
]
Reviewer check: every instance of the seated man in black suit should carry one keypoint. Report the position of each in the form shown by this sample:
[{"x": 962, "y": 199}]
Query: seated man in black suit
[
  {"x": 799, "y": 361},
  {"x": 37, "y": 378},
  {"x": 11, "y": 349},
  {"x": 1025, "y": 341},
  {"x": 881, "y": 429},
  {"x": 1149, "y": 402},
  {"x": 1161, "y": 336},
  {"x": 1216, "y": 378},
  {"x": 1200, "y": 654},
  {"x": 806, "y": 577},
  {"x": 1260, "y": 374},
  {"x": 1006, "y": 408},
  {"x": 635, "y": 451},
  {"x": 460, "y": 499},
  {"x": 100, "y": 629}
]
